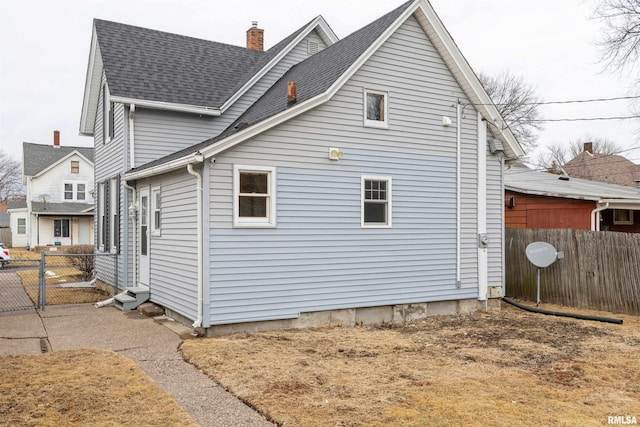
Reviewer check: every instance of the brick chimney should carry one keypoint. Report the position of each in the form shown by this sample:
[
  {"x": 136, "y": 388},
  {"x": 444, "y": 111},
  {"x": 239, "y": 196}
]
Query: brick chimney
[
  {"x": 56, "y": 138},
  {"x": 588, "y": 147},
  {"x": 292, "y": 92},
  {"x": 255, "y": 37}
]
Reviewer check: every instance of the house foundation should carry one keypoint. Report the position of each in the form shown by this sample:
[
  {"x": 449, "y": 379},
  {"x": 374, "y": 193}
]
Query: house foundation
[{"x": 390, "y": 314}]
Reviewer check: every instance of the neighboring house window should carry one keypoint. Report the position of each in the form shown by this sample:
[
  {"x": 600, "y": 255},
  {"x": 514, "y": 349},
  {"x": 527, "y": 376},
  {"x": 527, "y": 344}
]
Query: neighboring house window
[
  {"x": 68, "y": 191},
  {"x": 376, "y": 201},
  {"x": 155, "y": 209},
  {"x": 22, "y": 226},
  {"x": 61, "y": 227},
  {"x": 622, "y": 217},
  {"x": 75, "y": 166},
  {"x": 81, "y": 191},
  {"x": 254, "y": 196},
  {"x": 75, "y": 191},
  {"x": 107, "y": 120},
  {"x": 375, "y": 109}
]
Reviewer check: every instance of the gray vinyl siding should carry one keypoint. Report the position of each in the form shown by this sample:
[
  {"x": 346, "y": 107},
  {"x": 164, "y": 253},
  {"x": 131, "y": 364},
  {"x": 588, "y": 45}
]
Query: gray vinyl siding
[
  {"x": 159, "y": 133},
  {"x": 109, "y": 163},
  {"x": 319, "y": 257},
  {"x": 172, "y": 255}
]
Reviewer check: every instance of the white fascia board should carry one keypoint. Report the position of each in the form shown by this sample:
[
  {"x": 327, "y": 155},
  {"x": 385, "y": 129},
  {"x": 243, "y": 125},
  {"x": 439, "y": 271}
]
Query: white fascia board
[
  {"x": 43, "y": 171},
  {"x": 553, "y": 194},
  {"x": 85, "y": 127},
  {"x": 159, "y": 105},
  {"x": 327, "y": 35},
  {"x": 632, "y": 204},
  {"x": 175, "y": 164},
  {"x": 458, "y": 62}
]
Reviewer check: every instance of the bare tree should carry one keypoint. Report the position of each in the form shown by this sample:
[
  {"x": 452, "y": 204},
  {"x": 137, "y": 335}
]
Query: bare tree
[
  {"x": 517, "y": 103},
  {"x": 10, "y": 178},
  {"x": 557, "y": 155},
  {"x": 620, "y": 40}
]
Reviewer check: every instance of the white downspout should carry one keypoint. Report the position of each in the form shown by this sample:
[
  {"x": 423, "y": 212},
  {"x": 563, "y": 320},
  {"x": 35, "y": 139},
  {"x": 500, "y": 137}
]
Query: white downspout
[
  {"x": 595, "y": 223},
  {"x": 134, "y": 237},
  {"x": 458, "y": 186},
  {"x": 132, "y": 114},
  {"x": 198, "y": 322}
]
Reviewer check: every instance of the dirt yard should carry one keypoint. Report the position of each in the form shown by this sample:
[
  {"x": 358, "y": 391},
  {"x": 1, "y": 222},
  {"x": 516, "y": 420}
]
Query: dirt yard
[
  {"x": 502, "y": 369},
  {"x": 82, "y": 387}
]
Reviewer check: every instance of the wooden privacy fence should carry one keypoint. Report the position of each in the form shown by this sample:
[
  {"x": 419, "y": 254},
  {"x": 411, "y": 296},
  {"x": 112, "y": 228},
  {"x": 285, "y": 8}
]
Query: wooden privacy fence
[
  {"x": 5, "y": 236},
  {"x": 600, "y": 270}
]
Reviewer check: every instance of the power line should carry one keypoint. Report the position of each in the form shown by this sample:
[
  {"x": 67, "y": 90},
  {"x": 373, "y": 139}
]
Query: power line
[
  {"x": 588, "y": 119},
  {"x": 573, "y": 101}
]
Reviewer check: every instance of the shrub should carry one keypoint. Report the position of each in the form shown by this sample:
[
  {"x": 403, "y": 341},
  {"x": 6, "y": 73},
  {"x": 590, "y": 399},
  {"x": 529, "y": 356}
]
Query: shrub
[{"x": 84, "y": 259}]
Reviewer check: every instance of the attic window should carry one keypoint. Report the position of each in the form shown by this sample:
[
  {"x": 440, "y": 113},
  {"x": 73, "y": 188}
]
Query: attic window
[
  {"x": 75, "y": 166},
  {"x": 375, "y": 109},
  {"x": 313, "y": 47}
]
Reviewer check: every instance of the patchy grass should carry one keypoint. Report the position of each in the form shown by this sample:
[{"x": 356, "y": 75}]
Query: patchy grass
[
  {"x": 56, "y": 279},
  {"x": 500, "y": 368},
  {"x": 82, "y": 387}
]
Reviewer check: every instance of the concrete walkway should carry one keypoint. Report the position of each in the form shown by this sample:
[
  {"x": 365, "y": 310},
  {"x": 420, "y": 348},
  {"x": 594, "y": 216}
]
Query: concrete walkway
[{"x": 152, "y": 344}]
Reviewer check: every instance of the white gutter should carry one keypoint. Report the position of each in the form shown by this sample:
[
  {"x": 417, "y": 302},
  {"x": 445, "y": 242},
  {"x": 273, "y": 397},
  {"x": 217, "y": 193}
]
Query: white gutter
[
  {"x": 132, "y": 114},
  {"x": 458, "y": 187},
  {"x": 159, "y": 105},
  {"x": 165, "y": 167},
  {"x": 198, "y": 321},
  {"x": 595, "y": 224},
  {"x": 134, "y": 237}
]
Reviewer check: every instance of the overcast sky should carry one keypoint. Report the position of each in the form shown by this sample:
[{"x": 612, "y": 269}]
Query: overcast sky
[{"x": 44, "y": 49}]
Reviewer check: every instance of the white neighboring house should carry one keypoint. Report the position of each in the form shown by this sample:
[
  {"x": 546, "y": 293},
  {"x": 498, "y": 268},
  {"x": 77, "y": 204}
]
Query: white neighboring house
[{"x": 58, "y": 210}]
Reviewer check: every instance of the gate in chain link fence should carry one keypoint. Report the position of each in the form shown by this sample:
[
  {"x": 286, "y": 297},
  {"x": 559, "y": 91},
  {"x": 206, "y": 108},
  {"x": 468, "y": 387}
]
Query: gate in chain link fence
[
  {"x": 54, "y": 279},
  {"x": 18, "y": 280}
]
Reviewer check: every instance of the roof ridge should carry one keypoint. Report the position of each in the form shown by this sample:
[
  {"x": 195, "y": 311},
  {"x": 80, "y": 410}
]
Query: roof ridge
[{"x": 177, "y": 35}]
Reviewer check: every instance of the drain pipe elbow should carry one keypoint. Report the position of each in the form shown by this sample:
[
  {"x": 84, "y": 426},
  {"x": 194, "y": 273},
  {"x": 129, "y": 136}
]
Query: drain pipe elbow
[
  {"x": 595, "y": 224},
  {"x": 200, "y": 284}
]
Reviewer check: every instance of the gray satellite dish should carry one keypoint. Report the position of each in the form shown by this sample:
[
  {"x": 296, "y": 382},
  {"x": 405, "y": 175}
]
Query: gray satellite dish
[{"x": 542, "y": 255}]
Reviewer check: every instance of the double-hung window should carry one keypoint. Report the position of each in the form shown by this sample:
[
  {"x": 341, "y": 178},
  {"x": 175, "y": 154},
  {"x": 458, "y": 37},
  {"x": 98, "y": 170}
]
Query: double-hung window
[
  {"x": 254, "y": 196},
  {"x": 376, "y": 109},
  {"x": 22, "y": 226},
  {"x": 74, "y": 191},
  {"x": 155, "y": 211},
  {"x": 376, "y": 201}
]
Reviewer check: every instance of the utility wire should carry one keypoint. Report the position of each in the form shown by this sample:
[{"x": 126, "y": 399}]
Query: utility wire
[
  {"x": 617, "y": 98},
  {"x": 588, "y": 119}
]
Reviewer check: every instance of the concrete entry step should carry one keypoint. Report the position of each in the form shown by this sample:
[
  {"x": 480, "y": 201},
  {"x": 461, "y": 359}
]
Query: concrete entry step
[{"x": 131, "y": 298}]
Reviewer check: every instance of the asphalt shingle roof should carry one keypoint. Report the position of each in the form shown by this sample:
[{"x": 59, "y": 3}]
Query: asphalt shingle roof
[
  {"x": 141, "y": 63},
  {"x": 523, "y": 179},
  {"x": 609, "y": 168},
  {"x": 313, "y": 76},
  {"x": 38, "y": 157},
  {"x": 61, "y": 208}
]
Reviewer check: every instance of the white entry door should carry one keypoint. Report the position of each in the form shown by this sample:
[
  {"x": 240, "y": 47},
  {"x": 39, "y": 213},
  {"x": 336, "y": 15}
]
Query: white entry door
[{"x": 143, "y": 232}]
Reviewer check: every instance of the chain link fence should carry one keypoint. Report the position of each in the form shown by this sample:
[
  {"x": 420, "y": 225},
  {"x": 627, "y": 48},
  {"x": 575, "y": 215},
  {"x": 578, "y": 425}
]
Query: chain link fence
[{"x": 54, "y": 278}]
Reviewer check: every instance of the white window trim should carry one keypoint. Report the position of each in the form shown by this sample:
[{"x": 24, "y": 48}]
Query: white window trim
[
  {"x": 381, "y": 124},
  {"x": 106, "y": 109},
  {"x": 18, "y": 226},
  {"x": 270, "y": 221},
  {"x": 623, "y": 222},
  {"x": 389, "y": 222},
  {"x": 156, "y": 231},
  {"x": 74, "y": 189}
]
